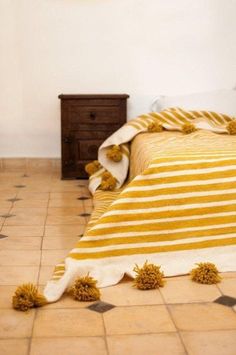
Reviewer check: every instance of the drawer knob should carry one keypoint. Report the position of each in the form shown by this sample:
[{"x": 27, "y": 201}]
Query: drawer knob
[
  {"x": 69, "y": 162},
  {"x": 92, "y": 115},
  {"x": 67, "y": 139}
]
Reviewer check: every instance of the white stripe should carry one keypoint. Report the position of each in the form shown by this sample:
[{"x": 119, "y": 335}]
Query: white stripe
[
  {"x": 177, "y": 196},
  {"x": 179, "y": 184},
  {"x": 167, "y": 231},
  {"x": 170, "y": 219},
  {"x": 161, "y": 220},
  {"x": 196, "y": 171},
  {"x": 151, "y": 244}
]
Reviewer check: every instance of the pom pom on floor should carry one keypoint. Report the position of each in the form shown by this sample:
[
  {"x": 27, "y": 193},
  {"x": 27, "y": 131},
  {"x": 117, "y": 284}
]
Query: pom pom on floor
[
  {"x": 27, "y": 296},
  {"x": 114, "y": 154},
  {"x": 108, "y": 182},
  {"x": 93, "y": 167},
  {"x": 85, "y": 289},
  {"x": 205, "y": 273},
  {"x": 155, "y": 127},
  {"x": 188, "y": 128},
  {"x": 231, "y": 127},
  {"x": 148, "y": 277}
]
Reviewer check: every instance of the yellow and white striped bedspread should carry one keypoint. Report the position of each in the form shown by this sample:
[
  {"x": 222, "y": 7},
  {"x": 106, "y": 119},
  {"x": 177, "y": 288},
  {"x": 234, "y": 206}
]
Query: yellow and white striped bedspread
[{"x": 178, "y": 211}]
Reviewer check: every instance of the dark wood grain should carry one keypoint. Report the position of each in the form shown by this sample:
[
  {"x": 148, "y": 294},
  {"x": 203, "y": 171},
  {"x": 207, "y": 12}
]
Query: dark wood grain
[{"x": 86, "y": 121}]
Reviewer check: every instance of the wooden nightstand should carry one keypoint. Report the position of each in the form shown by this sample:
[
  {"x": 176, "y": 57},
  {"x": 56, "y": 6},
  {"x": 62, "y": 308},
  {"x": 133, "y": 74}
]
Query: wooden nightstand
[{"x": 86, "y": 121}]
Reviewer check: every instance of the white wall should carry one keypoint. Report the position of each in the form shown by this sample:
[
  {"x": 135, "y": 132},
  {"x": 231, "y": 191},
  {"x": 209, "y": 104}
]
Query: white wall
[{"x": 143, "y": 48}]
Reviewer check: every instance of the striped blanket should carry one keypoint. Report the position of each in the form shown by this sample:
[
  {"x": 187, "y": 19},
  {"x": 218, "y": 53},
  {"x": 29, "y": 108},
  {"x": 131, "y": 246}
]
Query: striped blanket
[{"x": 179, "y": 211}]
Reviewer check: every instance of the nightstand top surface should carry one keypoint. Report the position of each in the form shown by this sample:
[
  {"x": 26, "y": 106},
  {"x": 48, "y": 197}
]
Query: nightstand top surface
[{"x": 92, "y": 96}]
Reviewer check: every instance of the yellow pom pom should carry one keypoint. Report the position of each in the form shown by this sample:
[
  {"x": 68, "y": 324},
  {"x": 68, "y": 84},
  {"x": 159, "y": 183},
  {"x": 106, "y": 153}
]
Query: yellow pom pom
[
  {"x": 231, "y": 127},
  {"x": 93, "y": 167},
  {"x": 108, "y": 182},
  {"x": 85, "y": 289},
  {"x": 27, "y": 296},
  {"x": 155, "y": 127},
  {"x": 148, "y": 277},
  {"x": 188, "y": 128},
  {"x": 205, "y": 273},
  {"x": 114, "y": 153}
]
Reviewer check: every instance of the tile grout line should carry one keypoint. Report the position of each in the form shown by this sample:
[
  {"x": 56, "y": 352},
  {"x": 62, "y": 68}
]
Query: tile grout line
[
  {"x": 105, "y": 334},
  {"x": 171, "y": 317},
  {"x": 39, "y": 270}
]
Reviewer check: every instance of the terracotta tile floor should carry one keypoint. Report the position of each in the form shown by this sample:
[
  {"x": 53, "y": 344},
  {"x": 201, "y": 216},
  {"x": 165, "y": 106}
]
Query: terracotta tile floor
[{"x": 38, "y": 226}]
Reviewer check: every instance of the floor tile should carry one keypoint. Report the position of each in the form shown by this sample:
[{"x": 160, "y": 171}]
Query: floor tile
[
  {"x": 22, "y": 219},
  {"x": 67, "y": 301},
  {"x": 16, "y": 275},
  {"x": 68, "y": 346},
  {"x": 14, "y": 164},
  {"x": 6, "y": 293},
  {"x": 28, "y": 203},
  {"x": 45, "y": 274},
  {"x": 14, "y": 346},
  {"x": 33, "y": 195},
  {"x": 187, "y": 291},
  {"x": 23, "y": 231},
  {"x": 67, "y": 322},
  {"x": 4, "y": 210},
  {"x": 21, "y": 257},
  {"x": 138, "y": 320},
  {"x": 228, "y": 275},
  {"x": 19, "y": 243},
  {"x": 124, "y": 294},
  {"x": 65, "y": 188},
  {"x": 35, "y": 165},
  {"x": 145, "y": 344},
  {"x": 53, "y": 257},
  {"x": 65, "y": 211},
  {"x": 65, "y": 195},
  {"x": 15, "y": 324},
  {"x": 210, "y": 343},
  {"x": 29, "y": 211},
  {"x": 6, "y": 194},
  {"x": 64, "y": 230},
  {"x": 51, "y": 220},
  {"x": 228, "y": 286},
  {"x": 209, "y": 316},
  {"x": 63, "y": 202},
  {"x": 60, "y": 242}
]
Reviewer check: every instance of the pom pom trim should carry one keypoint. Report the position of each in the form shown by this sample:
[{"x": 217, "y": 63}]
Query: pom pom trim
[
  {"x": 205, "y": 273},
  {"x": 85, "y": 289},
  {"x": 114, "y": 154},
  {"x": 148, "y": 277},
  {"x": 188, "y": 128},
  {"x": 27, "y": 296}
]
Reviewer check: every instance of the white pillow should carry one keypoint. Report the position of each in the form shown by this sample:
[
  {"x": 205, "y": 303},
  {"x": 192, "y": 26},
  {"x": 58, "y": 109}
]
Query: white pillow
[{"x": 222, "y": 101}]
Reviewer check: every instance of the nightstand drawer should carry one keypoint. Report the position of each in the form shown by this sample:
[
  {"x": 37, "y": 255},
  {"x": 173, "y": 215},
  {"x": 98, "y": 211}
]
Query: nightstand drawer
[
  {"x": 94, "y": 134},
  {"x": 94, "y": 114},
  {"x": 88, "y": 150}
]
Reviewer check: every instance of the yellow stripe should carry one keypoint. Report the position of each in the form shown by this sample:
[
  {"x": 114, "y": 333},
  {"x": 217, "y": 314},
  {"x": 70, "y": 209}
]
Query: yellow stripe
[
  {"x": 174, "y": 202},
  {"x": 157, "y": 237},
  {"x": 201, "y": 211},
  {"x": 180, "y": 189},
  {"x": 151, "y": 250},
  {"x": 159, "y": 226},
  {"x": 182, "y": 178},
  {"x": 189, "y": 166}
]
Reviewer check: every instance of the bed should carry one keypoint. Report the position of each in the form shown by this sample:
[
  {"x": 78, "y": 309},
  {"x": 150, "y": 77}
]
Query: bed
[{"x": 177, "y": 206}]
